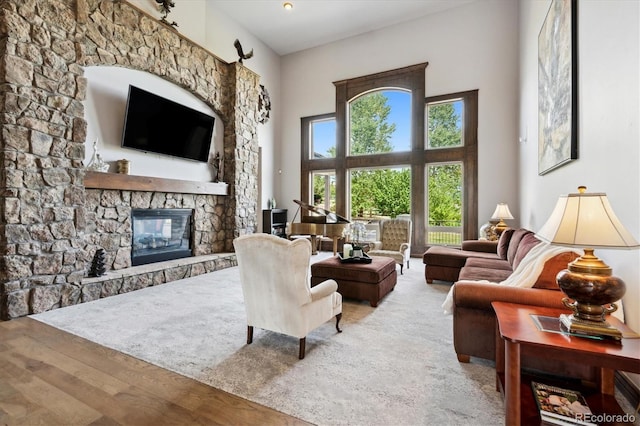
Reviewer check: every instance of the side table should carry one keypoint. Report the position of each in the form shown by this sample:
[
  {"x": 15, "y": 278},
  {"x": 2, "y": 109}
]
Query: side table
[{"x": 519, "y": 334}]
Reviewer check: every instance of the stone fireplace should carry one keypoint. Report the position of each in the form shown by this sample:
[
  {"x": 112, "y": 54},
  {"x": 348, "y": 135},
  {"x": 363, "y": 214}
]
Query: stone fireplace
[{"x": 52, "y": 220}]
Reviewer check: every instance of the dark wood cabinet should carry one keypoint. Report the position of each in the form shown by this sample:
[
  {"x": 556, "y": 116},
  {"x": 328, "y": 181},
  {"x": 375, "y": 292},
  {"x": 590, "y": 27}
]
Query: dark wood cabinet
[{"x": 274, "y": 221}]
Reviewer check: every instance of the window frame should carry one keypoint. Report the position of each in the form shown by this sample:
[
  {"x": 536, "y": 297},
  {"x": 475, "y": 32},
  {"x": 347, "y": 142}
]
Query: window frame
[
  {"x": 307, "y": 162},
  {"x": 467, "y": 153},
  {"x": 410, "y": 78}
]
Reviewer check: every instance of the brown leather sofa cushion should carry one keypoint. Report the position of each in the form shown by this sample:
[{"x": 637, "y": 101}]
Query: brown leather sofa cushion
[
  {"x": 480, "y": 246},
  {"x": 527, "y": 242},
  {"x": 450, "y": 257},
  {"x": 483, "y": 273},
  {"x": 503, "y": 243},
  {"x": 514, "y": 243},
  {"x": 497, "y": 270},
  {"x": 477, "y": 262}
]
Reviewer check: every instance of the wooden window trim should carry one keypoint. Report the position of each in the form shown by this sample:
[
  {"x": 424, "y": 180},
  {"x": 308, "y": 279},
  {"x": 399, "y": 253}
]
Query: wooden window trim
[
  {"x": 411, "y": 78},
  {"x": 467, "y": 153}
]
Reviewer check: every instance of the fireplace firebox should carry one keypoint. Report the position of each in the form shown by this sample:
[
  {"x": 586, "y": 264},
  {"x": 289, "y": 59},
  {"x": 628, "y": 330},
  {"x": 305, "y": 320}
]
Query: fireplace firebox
[{"x": 161, "y": 234}]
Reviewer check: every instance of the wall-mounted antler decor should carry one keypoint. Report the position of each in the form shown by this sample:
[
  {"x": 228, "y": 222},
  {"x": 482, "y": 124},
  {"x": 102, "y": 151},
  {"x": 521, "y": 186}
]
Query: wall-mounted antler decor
[{"x": 264, "y": 105}]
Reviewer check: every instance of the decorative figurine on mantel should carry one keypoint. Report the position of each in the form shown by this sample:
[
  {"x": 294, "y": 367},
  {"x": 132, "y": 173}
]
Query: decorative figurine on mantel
[
  {"x": 216, "y": 163},
  {"x": 97, "y": 164}
]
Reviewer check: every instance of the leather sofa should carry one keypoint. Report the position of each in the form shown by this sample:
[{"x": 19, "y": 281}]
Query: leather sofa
[
  {"x": 474, "y": 322},
  {"x": 444, "y": 263},
  {"x": 488, "y": 260}
]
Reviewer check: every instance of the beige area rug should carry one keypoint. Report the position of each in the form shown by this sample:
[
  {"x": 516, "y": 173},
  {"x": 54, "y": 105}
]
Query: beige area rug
[{"x": 394, "y": 364}]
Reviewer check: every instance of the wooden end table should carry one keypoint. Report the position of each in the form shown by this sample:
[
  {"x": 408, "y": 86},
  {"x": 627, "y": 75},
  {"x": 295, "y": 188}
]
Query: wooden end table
[{"x": 518, "y": 335}]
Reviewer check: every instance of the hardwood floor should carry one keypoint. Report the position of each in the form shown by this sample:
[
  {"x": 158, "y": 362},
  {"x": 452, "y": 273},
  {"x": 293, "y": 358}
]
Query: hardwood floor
[{"x": 51, "y": 377}]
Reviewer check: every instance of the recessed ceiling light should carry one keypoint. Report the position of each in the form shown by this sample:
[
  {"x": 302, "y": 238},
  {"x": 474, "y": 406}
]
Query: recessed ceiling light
[{"x": 287, "y": 5}]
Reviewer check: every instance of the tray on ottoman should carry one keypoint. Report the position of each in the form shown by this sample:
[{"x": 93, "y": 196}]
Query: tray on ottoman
[
  {"x": 363, "y": 259},
  {"x": 363, "y": 281}
]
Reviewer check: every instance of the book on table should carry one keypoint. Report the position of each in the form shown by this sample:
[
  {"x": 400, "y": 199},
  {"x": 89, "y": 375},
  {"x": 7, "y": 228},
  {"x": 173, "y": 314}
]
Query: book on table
[{"x": 561, "y": 406}]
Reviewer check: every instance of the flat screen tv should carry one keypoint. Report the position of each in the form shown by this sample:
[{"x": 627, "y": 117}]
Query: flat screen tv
[{"x": 156, "y": 124}]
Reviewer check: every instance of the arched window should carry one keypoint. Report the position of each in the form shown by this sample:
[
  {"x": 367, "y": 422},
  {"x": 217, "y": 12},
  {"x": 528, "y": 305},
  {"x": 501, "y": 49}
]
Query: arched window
[
  {"x": 395, "y": 153},
  {"x": 380, "y": 122}
]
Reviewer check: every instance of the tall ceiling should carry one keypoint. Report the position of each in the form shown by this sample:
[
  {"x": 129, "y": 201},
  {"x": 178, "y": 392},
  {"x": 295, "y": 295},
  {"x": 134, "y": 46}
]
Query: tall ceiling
[{"x": 312, "y": 23}]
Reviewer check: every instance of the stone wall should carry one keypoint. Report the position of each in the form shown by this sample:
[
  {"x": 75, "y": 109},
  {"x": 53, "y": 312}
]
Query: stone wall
[
  {"x": 241, "y": 153},
  {"x": 138, "y": 277},
  {"x": 49, "y": 225},
  {"x": 109, "y": 221}
]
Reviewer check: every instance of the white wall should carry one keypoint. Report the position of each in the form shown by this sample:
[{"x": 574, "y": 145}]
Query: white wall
[
  {"x": 469, "y": 47},
  {"x": 107, "y": 89},
  {"x": 221, "y": 33},
  {"x": 608, "y": 134},
  {"x": 190, "y": 16}
]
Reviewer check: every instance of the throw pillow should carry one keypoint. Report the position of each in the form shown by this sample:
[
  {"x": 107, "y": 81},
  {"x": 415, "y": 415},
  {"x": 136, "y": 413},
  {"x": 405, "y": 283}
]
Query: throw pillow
[
  {"x": 503, "y": 243},
  {"x": 527, "y": 242},
  {"x": 557, "y": 263},
  {"x": 514, "y": 243}
]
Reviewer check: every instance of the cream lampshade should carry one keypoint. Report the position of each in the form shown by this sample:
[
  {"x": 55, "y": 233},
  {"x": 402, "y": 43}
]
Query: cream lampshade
[
  {"x": 501, "y": 213},
  {"x": 586, "y": 220}
]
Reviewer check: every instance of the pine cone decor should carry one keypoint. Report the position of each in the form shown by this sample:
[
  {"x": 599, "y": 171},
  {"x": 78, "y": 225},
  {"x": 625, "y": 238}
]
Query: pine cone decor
[{"x": 97, "y": 264}]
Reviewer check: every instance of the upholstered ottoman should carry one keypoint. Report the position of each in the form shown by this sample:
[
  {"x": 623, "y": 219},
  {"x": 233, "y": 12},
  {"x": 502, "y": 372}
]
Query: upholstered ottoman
[{"x": 363, "y": 281}]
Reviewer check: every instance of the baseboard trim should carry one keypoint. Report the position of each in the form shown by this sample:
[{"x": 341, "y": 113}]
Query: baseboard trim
[{"x": 627, "y": 388}]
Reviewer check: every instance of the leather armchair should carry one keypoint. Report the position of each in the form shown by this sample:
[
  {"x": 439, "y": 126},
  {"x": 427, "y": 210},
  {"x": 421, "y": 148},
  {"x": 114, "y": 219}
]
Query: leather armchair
[
  {"x": 275, "y": 278},
  {"x": 396, "y": 241}
]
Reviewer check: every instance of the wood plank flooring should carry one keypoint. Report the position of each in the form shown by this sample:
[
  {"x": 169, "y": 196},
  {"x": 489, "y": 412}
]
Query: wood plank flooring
[{"x": 51, "y": 377}]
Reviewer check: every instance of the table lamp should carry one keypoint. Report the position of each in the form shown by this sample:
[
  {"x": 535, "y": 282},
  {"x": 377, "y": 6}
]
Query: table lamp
[
  {"x": 501, "y": 213},
  {"x": 587, "y": 220}
]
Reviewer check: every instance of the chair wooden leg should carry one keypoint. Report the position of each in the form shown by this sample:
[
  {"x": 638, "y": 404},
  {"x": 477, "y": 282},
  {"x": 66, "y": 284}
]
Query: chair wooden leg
[
  {"x": 249, "y": 334},
  {"x": 302, "y": 345},
  {"x": 401, "y": 268},
  {"x": 338, "y": 318}
]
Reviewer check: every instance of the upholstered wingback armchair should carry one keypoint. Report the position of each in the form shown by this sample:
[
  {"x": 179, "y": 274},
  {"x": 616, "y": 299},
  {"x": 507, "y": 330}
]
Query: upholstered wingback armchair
[
  {"x": 274, "y": 273},
  {"x": 395, "y": 236}
]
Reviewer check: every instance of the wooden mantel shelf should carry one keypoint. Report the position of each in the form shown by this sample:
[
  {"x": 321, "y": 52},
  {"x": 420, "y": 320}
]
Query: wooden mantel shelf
[{"x": 99, "y": 180}]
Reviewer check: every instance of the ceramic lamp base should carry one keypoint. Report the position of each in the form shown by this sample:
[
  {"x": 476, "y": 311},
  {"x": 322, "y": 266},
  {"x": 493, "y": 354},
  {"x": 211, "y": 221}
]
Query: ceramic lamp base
[{"x": 593, "y": 295}]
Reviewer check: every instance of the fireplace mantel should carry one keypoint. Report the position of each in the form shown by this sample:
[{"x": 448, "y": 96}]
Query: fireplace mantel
[{"x": 118, "y": 181}]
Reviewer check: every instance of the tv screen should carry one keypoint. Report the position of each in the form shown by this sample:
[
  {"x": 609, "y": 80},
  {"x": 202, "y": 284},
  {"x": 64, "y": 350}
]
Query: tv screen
[{"x": 155, "y": 124}]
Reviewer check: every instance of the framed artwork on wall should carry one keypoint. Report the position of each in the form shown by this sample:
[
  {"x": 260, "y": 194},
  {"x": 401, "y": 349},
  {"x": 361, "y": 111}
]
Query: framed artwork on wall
[{"x": 558, "y": 87}]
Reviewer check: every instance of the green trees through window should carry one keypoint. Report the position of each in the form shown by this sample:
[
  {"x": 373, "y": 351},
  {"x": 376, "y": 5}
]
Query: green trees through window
[
  {"x": 378, "y": 192},
  {"x": 444, "y": 124},
  {"x": 324, "y": 190},
  {"x": 444, "y": 180},
  {"x": 369, "y": 129}
]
